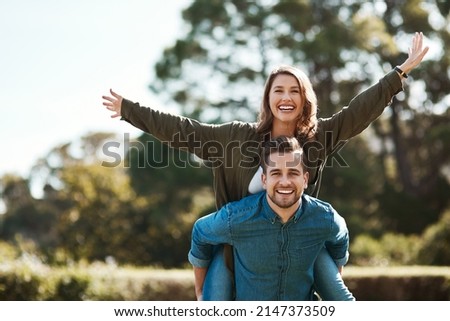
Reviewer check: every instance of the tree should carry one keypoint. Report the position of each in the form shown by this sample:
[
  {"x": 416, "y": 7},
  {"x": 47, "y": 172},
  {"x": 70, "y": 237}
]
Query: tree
[
  {"x": 235, "y": 44},
  {"x": 179, "y": 189},
  {"x": 100, "y": 222},
  {"x": 344, "y": 46},
  {"x": 416, "y": 136},
  {"x": 25, "y": 217},
  {"x": 122, "y": 210},
  {"x": 434, "y": 249}
]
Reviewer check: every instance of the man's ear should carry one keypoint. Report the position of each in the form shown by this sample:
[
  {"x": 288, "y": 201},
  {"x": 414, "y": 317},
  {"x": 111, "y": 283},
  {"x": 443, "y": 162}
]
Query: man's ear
[
  {"x": 263, "y": 180},
  {"x": 306, "y": 177}
]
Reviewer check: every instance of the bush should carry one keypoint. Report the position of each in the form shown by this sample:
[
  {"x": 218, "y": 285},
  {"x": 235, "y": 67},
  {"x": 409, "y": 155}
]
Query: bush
[
  {"x": 391, "y": 249},
  {"x": 8, "y": 252},
  {"x": 138, "y": 284},
  {"x": 21, "y": 284},
  {"x": 22, "y": 281},
  {"x": 435, "y": 249},
  {"x": 71, "y": 287},
  {"x": 103, "y": 282}
]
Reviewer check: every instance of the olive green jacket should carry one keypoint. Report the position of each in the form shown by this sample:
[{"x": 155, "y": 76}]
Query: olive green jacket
[{"x": 232, "y": 149}]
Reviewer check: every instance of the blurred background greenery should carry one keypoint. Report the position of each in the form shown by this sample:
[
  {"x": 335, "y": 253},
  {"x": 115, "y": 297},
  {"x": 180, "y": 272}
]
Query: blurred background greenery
[{"x": 394, "y": 193}]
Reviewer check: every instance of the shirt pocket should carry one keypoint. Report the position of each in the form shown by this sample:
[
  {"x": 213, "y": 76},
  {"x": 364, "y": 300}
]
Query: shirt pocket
[{"x": 305, "y": 256}]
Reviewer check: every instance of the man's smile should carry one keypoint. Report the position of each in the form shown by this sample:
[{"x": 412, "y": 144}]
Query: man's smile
[{"x": 285, "y": 191}]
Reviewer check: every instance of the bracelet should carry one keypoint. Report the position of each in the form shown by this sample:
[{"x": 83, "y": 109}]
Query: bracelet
[{"x": 401, "y": 72}]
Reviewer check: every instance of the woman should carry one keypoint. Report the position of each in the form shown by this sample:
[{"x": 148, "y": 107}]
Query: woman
[{"x": 289, "y": 107}]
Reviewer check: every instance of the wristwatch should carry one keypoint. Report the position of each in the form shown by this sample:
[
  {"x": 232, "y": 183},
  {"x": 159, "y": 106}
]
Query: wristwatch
[{"x": 401, "y": 72}]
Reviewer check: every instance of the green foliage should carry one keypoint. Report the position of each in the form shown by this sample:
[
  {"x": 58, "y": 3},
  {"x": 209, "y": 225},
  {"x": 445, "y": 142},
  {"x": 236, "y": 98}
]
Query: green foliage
[
  {"x": 97, "y": 220},
  {"x": 71, "y": 287},
  {"x": 8, "y": 252},
  {"x": 19, "y": 286},
  {"x": 351, "y": 181},
  {"x": 435, "y": 249},
  {"x": 179, "y": 188},
  {"x": 429, "y": 248},
  {"x": 141, "y": 212},
  {"x": 155, "y": 168},
  {"x": 28, "y": 279},
  {"x": 415, "y": 17},
  {"x": 391, "y": 249},
  {"x": 398, "y": 186},
  {"x": 412, "y": 214},
  {"x": 99, "y": 213},
  {"x": 100, "y": 282},
  {"x": 21, "y": 280},
  {"x": 27, "y": 217},
  {"x": 24, "y": 278},
  {"x": 400, "y": 287}
]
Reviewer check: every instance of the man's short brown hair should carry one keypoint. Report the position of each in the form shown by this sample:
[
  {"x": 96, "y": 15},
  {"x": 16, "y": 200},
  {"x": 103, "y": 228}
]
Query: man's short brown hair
[{"x": 281, "y": 144}]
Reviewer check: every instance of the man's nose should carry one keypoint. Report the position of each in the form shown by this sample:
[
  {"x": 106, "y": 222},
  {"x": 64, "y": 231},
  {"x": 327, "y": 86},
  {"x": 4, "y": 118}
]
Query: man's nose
[{"x": 284, "y": 180}]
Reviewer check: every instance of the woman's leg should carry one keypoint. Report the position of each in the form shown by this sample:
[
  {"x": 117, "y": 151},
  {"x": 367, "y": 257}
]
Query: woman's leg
[
  {"x": 219, "y": 282},
  {"x": 327, "y": 280}
]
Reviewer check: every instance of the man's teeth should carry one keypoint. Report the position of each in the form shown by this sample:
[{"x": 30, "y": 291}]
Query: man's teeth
[{"x": 285, "y": 191}]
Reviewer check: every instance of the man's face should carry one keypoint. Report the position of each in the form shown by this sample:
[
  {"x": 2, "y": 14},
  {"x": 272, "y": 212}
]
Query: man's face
[{"x": 285, "y": 180}]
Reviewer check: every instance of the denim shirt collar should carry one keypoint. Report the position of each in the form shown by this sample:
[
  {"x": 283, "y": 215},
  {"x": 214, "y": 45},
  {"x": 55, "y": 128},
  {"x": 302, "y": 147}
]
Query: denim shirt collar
[{"x": 270, "y": 214}]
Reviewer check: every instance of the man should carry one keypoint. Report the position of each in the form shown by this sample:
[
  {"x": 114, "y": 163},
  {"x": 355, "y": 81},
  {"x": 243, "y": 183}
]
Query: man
[{"x": 276, "y": 234}]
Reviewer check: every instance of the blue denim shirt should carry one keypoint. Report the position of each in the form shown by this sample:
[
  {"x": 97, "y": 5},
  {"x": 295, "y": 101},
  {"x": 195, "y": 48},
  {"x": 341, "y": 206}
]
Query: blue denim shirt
[{"x": 273, "y": 261}]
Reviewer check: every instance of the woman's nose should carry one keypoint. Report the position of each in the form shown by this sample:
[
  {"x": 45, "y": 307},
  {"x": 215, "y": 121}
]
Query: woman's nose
[{"x": 286, "y": 97}]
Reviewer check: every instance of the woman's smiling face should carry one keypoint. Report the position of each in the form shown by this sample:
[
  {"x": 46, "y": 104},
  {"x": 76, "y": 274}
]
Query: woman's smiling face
[{"x": 285, "y": 98}]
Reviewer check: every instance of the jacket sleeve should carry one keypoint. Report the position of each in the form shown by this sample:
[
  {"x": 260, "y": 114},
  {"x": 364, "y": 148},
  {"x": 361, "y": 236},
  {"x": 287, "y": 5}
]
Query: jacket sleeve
[
  {"x": 360, "y": 113},
  {"x": 208, "y": 231},
  {"x": 177, "y": 131},
  {"x": 338, "y": 243}
]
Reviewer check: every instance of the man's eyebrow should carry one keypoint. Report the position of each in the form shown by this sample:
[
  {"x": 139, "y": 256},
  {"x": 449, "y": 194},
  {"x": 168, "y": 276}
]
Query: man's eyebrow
[{"x": 290, "y": 169}]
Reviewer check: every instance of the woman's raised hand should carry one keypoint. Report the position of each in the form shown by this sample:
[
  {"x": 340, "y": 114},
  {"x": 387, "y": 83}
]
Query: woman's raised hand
[
  {"x": 415, "y": 54},
  {"x": 113, "y": 103}
]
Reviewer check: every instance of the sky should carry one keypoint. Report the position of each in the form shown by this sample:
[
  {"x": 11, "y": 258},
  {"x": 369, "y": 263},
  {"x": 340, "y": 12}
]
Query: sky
[{"x": 58, "y": 57}]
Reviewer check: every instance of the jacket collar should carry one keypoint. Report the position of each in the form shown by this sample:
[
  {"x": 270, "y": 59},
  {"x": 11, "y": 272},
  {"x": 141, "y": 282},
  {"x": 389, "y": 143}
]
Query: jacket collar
[{"x": 273, "y": 217}]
